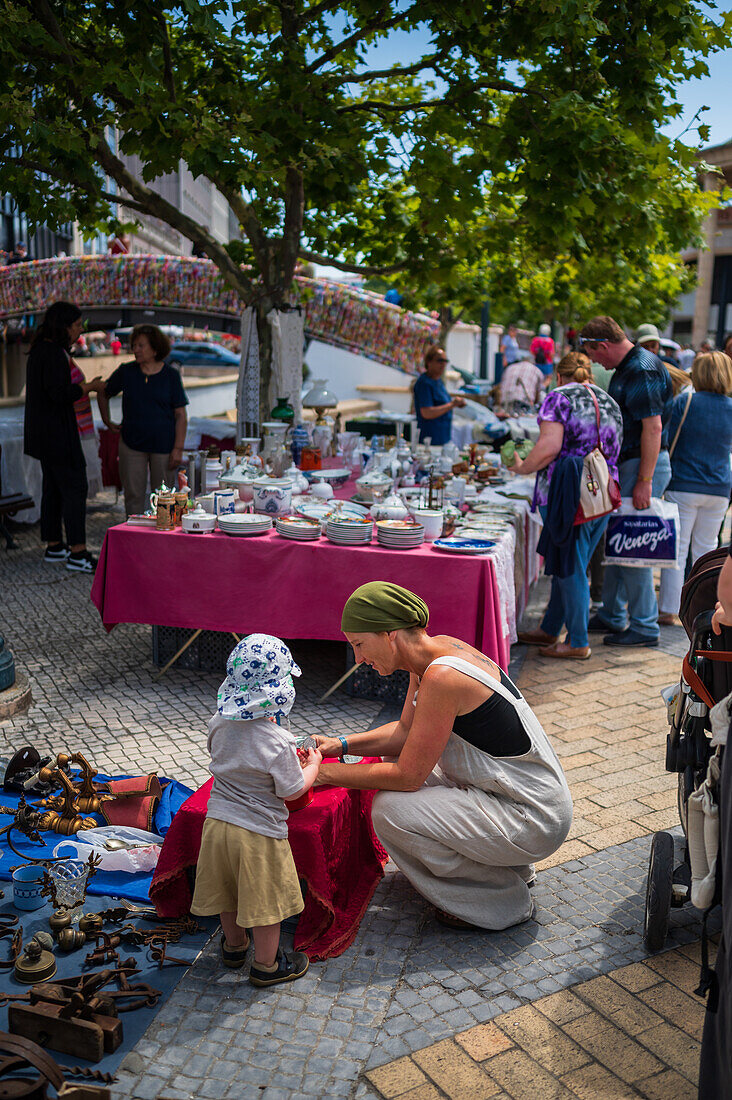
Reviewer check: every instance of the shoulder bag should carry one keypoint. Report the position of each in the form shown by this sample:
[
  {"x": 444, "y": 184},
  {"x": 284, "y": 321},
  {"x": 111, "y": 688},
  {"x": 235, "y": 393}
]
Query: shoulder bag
[
  {"x": 599, "y": 491},
  {"x": 689, "y": 396}
]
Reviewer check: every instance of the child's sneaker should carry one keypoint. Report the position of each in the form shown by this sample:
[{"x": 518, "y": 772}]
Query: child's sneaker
[
  {"x": 234, "y": 957},
  {"x": 289, "y": 969}
]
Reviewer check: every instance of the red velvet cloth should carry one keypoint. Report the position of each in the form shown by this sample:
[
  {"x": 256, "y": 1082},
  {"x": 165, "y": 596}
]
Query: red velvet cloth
[
  {"x": 109, "y": 457},
  {"x": 336, "y": 852}
]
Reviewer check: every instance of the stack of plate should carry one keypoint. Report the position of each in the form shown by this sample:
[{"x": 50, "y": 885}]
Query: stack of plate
[
  {"x": 399, "y": 534},
  {"x": 350, "y": 530},
  {"x": 236, "y": 523},
  {"x": 298, "y": 527}
]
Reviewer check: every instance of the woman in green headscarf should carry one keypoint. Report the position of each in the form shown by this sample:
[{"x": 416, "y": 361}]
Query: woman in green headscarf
[{"x": 471, "y": 793}]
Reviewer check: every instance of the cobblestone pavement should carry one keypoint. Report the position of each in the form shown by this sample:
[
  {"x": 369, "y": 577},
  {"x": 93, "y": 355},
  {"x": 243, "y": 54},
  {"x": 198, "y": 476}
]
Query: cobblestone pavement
[{"x": 411, "y": 1009}]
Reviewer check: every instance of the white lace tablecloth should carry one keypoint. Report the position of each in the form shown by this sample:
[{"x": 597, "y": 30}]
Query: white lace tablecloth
[
  {"x": 21, "y": 474},
  {"x": 18, "y": 472}
]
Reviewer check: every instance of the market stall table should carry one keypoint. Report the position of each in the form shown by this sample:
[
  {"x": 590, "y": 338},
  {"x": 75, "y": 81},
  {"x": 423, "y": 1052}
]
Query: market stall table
[
  {"x": 336, "y": 853},
  {"x": 278, "y": 586}
]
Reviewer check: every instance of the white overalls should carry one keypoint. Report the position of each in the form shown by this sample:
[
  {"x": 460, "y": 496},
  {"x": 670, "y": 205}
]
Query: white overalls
[{"x": 467, "y": 839}]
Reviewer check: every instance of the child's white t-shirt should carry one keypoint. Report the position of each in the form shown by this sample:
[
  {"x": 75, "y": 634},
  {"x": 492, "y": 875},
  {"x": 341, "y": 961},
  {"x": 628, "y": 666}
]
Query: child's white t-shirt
[{"x": 255, "y": 766}]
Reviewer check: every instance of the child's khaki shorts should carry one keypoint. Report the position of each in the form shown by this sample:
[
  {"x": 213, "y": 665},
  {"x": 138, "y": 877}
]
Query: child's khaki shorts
[{"x": 245, "y": 873}]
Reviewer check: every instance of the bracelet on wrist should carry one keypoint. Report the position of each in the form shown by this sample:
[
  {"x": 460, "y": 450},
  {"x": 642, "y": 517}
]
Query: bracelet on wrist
[
  {"x": 344, "y": 746},
  {"x": 647, "y": 479}
]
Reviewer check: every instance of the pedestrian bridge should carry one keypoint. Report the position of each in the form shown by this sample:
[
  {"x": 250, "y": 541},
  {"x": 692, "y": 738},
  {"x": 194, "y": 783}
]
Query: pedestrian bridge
[{"x": 335, "y": 313}]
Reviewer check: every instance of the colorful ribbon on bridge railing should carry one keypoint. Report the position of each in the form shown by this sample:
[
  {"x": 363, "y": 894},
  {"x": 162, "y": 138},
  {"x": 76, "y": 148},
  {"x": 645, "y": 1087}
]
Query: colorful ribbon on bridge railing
[{"x": 335, "y": 313}]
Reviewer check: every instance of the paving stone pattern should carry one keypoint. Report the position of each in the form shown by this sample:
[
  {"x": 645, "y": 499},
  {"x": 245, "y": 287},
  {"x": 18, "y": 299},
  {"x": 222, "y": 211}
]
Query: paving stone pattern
[
  {"x": 406, "y": 983},
  {"x": 633, "y": 1033}
]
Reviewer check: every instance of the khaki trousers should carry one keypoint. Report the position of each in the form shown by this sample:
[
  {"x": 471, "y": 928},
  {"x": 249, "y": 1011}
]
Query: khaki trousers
[{"x": 133, "y": 471}]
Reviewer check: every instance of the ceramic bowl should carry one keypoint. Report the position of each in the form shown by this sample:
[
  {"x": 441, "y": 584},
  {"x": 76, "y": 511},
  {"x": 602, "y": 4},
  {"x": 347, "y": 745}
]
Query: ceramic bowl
[
  {"x": 336, "y": 478},
  {"x": 197, "y": 523}
]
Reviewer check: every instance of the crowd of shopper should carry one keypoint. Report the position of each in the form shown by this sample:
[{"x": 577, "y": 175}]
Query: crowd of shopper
[{"x": 669, "y": 411}]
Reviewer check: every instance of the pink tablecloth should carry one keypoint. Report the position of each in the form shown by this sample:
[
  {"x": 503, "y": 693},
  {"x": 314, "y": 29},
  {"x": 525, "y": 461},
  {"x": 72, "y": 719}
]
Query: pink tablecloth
[{"x": 278, "y": 586}]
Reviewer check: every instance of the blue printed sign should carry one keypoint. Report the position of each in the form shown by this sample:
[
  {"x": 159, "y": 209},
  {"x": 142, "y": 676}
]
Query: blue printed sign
[{"x": 641, "y": 539}]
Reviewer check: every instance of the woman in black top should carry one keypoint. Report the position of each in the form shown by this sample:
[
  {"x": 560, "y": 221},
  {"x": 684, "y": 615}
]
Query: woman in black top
[
  {"x": 52, "y": 435},
  {"x": 154, "y": 422},
  {"x": 470, "y": 793}
]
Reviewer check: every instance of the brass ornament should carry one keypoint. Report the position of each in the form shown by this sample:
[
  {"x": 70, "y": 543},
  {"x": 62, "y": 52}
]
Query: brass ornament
[
  {"x": 69, "y": 939},
  {"x": 37, "y": 963},
  {"x": 59, "y": 920}
]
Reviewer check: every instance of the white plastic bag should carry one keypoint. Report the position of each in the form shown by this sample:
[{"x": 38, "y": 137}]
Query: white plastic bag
[
  {"x": 643, "y": 537},
  {"x": 131, "y": 860}
]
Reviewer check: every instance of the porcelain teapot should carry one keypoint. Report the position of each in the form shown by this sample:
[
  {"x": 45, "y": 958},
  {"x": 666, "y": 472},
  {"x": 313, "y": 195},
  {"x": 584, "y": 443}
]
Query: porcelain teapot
[
  {"x": 375, "y": 482},
  {"x": 393, "y": 507},
  {"x": 242, "y": 479},
  {"x": 300, "y": 483}
]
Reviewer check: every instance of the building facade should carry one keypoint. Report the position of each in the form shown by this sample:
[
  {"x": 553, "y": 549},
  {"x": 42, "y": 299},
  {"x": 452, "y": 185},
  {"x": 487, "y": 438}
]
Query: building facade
[{"x": 706, "y": 312}]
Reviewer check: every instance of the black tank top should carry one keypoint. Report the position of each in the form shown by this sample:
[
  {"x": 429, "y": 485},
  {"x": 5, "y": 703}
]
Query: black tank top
[{"x": 495, "y": 727}]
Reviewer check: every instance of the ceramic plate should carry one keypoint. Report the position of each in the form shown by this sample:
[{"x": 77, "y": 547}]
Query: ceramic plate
[
  {"x": 463, "y": 546},
  {"x": 398, "y": 525},
  {"x": 304, "y": 523}
]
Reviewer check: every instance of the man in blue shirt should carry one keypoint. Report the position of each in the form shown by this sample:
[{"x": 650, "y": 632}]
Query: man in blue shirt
[
  {"x": 432, "y": 402},
  {"x": 642, "y": 388}
]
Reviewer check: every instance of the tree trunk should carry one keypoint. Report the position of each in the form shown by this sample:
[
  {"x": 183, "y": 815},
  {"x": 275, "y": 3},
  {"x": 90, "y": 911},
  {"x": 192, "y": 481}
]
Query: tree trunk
[{"x": 264, "y": 330}]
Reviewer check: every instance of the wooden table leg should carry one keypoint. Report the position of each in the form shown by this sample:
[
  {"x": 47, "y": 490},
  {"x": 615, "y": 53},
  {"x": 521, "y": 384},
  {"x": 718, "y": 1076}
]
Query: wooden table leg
[
  {"x": 180, "y": 652},
  {"x": 338, "y": 683}
]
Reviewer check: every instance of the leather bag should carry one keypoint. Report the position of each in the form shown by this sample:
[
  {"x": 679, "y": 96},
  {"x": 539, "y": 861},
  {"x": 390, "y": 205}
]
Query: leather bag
[{"x": 599, "y": 491}]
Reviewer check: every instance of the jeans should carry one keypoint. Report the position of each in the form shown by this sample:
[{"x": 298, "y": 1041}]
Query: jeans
[
  {"x": 63, "y": 498},
  {"x": 569, "y": 601},
  {"x": 700, "y": 515},
  {"x": 624, "y": 584}
]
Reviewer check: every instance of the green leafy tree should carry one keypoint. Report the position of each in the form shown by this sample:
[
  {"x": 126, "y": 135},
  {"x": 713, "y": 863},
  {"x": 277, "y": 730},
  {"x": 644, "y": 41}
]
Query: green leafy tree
[{"x": 549, "y": 111}]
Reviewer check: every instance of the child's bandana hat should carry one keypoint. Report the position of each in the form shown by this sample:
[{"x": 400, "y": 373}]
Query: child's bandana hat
[{"x": 258, "y": 680}]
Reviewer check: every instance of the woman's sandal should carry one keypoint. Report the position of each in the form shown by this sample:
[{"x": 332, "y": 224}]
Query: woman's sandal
[
  {"x": 234, "y": 957},
  {"x": 456, "y": 922}
]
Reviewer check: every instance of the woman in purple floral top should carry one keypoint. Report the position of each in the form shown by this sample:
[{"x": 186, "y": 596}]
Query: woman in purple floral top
[{"x": 568, "y": 427}]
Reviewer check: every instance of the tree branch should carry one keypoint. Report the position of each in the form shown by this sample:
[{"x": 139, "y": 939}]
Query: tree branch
[
  {"x": 48, "y": 21},
  {"x": 428, "y": 104},
  {"x": 378, "y": 74},
  {"x": 167, "y": 58},
  {"x": 356, "y": 269},
  {"x": 377, "y": 23},
  {"x": 150, "y": 202},
  {"x": 317, "y": 10}
]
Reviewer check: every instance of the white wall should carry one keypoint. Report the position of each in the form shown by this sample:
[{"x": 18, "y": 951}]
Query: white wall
[{"x": 345, "y": 371}]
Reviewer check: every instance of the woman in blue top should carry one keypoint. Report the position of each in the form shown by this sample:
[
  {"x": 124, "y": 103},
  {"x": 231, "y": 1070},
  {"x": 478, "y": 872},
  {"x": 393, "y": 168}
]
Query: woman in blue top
[
  {"x": 154, "y": 421},
  {"x": 432, "y": 402},
  {"x": 700, "y": 468}
]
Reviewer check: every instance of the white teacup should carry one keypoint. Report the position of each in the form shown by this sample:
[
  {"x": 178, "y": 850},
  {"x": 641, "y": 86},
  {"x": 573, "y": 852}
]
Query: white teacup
[{"x": 432, "y": 520}]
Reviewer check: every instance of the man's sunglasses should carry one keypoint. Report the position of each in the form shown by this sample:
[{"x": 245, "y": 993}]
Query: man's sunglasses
[{"x": 585, "y": 341}]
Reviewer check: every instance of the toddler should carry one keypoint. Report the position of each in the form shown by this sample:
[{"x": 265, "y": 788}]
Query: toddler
[{"x": 245, "y": 870}]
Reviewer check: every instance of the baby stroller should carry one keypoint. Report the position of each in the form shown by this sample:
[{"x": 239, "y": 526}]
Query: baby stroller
[{"x": 706, "y": 678}]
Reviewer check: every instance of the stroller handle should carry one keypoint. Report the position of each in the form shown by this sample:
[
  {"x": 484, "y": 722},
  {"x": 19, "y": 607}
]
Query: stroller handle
[{"x": 702, "y": 625}]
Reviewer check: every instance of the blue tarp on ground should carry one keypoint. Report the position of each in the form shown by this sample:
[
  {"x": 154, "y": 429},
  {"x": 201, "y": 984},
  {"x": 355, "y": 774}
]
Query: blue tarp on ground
[{"x": 117, "y": 884}]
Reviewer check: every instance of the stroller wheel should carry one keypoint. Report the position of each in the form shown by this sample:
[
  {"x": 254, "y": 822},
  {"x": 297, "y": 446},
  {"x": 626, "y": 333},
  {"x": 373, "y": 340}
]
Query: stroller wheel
[
  {"x": 658, "y": 891},
  {"x": 681, "y": 801}
]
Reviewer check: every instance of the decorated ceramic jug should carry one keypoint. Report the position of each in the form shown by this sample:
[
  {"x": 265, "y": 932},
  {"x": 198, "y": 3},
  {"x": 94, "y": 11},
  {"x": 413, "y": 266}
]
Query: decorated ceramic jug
[{"x": 163, "y": 504}]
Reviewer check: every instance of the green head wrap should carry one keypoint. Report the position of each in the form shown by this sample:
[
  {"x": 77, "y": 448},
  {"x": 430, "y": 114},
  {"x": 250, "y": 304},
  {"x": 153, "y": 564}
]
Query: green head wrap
[{"x": 379, "y": 606}]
